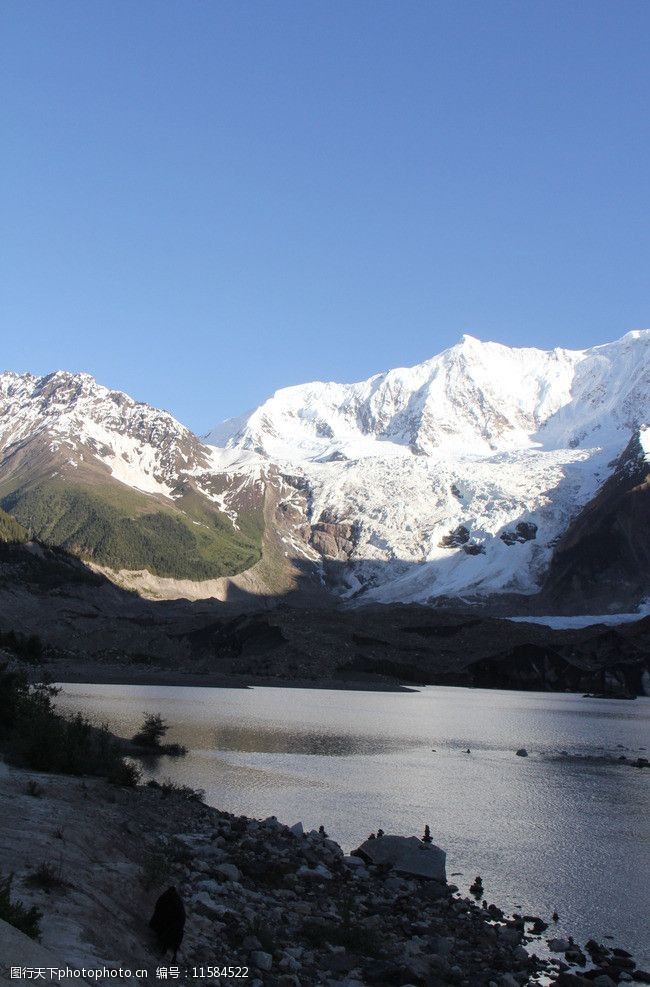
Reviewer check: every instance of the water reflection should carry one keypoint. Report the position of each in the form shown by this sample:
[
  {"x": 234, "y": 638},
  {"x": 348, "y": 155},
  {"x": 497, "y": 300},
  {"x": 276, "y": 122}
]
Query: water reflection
[
  {"x": 554, "y": 830},
  {"x": 268, "y": 740}
]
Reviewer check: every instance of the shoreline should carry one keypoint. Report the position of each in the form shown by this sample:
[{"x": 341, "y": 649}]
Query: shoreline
[
  {"x": 89, "y": 673},
  {"x": 92, "y": 674},
  {"x": 290, "y": 905}
]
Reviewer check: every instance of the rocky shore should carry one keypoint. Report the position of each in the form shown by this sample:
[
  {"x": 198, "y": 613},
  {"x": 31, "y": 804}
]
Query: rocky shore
[{"x": 288, "y": 906}]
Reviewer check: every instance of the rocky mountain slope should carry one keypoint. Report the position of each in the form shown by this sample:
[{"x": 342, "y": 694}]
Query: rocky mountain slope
[
  {"x": 481, "y": 475},
  {"x": 118, "y": 482},
  {"x": 457, "y": 477}
]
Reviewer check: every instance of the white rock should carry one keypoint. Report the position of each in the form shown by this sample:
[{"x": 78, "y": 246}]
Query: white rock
[{"x": 408, "y": 855}]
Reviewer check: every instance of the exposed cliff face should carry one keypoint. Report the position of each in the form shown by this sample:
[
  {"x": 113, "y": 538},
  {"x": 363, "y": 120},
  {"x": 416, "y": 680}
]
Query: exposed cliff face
[{"x": 604, "y": 557}]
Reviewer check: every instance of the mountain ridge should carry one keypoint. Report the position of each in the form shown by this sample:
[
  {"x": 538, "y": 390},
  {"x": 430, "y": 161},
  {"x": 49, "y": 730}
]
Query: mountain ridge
[{"x": 455, "y": 478}]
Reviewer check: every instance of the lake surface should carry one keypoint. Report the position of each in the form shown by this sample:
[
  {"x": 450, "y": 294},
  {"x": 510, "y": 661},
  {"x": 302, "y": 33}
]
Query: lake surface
[{"x": 546, "y": 832}]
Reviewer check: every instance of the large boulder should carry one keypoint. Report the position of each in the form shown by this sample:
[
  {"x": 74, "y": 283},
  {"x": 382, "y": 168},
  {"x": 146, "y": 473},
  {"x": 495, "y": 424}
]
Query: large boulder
[{"x": 405, "y": 854}]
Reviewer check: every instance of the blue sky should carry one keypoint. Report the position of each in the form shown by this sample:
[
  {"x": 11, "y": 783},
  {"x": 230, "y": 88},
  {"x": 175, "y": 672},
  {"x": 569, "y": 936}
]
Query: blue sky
[{"x": 205, "y": 201}]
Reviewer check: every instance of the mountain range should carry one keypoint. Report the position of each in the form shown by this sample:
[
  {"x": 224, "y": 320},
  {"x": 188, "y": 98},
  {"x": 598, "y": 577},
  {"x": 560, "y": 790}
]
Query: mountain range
[{"x": 487, "y": 475}]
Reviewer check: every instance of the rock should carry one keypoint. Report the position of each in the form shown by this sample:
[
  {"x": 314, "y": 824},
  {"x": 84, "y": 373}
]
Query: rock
[
  {"x": 604, "y": 981},
  {"x": 320, "y": 872},
  {"x": 508, "y": 935},
  {"x": 433, "y": 890},
  {"x": 407, "y": 855},
  {"x": 229, "y": 871},
  {"x": 395, "y": 884},
  {"x": 204, "y": 905},
  {"x": 212, "y": 887},
  {"x": 354, "y": 862},
  {"x": 262, "y": 960},
  {"x": 213, "y": 853},
  {"x": 297, "y": 829},
  {"x": 522, "y": 752},
  {"x": 456, "y": 537},
  {"x": 558, "y": 945},
  {"x": 575, "y": 955}
]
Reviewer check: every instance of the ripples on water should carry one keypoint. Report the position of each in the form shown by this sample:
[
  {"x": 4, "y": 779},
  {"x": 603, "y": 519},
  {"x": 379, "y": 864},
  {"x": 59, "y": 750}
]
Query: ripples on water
[{"x": 547, "y": 832}]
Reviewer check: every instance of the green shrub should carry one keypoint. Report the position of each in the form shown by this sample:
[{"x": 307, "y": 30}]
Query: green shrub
[
  {"x": 15, "y": 913},
  {"x": 117, "y": 527},
  {"x": 34, "y": 735},
  {"x": 11, "y": 531}
]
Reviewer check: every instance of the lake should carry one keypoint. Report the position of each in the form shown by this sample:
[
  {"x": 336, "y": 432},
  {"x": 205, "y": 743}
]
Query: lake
[{"x": 546, "y": 833}]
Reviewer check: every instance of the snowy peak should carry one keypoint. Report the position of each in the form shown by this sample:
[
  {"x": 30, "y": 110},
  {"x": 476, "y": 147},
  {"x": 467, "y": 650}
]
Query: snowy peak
[
  {"x": 476, "y": 397},
  {"x": 142, "y": 447}
]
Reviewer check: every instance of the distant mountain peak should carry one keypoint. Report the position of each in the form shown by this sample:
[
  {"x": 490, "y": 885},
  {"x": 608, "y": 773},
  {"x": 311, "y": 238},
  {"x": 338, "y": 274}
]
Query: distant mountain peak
[
  {"x": 454, "y": 477},
  {"x": 480, "y": 396}
]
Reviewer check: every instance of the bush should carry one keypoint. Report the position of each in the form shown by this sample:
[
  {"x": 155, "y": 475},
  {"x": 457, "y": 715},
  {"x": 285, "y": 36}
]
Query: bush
[
  {"x": 152, "y": 731},
  {"x": 168, "y": 787},
  {"x": 29, "y": 648},
  {"x": 46, "y": 876},
  {"x": 34, "y": 735},
  {"x": 126, "y": 774},
  {"x": 25, "y": 919}
]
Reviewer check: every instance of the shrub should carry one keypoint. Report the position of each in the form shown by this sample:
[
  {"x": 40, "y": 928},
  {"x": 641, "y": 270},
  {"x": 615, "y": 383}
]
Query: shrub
[
  {"x": 173, "y": 750},
  {"x": 168, "y": 788},
  {"x": 152, "y": 731},
  {"x": 25, "y": 919},
  {"x": 35, "y": 736},
  {"x": 126, "y": 774},
  {"x": 46, "y": 876},
  {"x": 30, "y": 648}
]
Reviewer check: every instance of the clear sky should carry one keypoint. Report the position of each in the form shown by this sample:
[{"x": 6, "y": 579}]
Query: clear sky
[{"x": 205, "y": 200}]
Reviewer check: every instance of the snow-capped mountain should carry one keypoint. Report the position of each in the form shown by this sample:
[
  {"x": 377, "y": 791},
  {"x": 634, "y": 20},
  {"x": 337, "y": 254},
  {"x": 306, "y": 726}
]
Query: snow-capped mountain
[
  {"x": 119, "y": 482},
  {"x": 456, "y": 476},
  {"x": 481, "y": 398},
  {"x": 142, "y": 447}
]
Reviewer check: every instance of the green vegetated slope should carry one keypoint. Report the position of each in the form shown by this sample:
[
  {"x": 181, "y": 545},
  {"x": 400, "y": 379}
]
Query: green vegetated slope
[
  {"x": 118, "y": 527},
  {"x": 11, "y": 530}
]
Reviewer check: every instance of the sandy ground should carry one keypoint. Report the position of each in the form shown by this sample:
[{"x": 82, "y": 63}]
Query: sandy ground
[{"x": 100, "y": 913}]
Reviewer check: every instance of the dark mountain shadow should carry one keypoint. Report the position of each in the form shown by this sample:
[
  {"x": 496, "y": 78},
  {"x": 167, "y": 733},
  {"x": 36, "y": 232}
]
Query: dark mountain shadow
[{"x": 89, "y": 624}]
